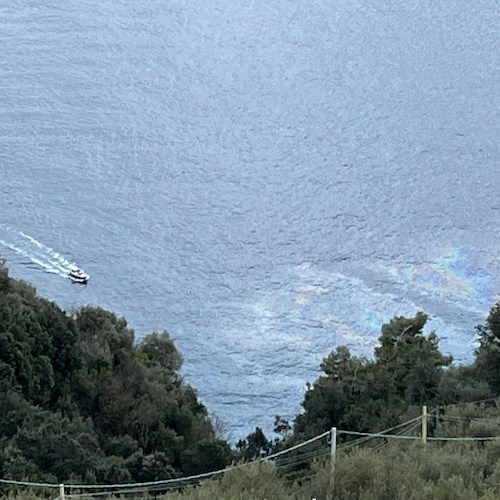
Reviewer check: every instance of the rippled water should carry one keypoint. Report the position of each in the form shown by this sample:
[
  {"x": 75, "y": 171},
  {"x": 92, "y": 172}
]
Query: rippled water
[{"x": 265, "y": 181}]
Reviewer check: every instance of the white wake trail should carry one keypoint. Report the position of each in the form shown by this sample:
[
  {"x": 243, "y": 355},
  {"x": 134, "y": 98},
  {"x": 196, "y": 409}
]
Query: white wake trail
[{"x": 35, "y": 252}]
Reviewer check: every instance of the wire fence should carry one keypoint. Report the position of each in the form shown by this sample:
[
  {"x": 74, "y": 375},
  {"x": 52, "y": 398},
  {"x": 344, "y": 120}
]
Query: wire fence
[
  {"x": 291, "y": 463},
  {"x": 153, "y": 487}
]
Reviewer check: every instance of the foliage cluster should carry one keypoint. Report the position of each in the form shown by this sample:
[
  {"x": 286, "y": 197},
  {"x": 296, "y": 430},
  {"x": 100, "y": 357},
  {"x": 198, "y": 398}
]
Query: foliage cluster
[
  {"x": 406, "y": 372},
  {"x": 82, "y": 402}
]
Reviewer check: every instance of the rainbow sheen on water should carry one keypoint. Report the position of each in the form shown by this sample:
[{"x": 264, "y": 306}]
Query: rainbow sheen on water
[{"x": 265, "y": 180}]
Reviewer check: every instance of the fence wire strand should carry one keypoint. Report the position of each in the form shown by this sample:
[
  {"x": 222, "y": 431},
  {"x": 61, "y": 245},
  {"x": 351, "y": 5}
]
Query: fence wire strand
[{"x": 294, "y": 461}]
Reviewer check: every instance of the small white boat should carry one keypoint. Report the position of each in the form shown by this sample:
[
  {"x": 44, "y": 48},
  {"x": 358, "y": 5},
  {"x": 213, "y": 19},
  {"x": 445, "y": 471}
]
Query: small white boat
[{"x": 77, "y": 275}]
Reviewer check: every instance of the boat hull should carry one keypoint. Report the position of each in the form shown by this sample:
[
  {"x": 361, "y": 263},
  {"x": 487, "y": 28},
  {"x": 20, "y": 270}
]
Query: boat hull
[{"x": 79, "y": 279}]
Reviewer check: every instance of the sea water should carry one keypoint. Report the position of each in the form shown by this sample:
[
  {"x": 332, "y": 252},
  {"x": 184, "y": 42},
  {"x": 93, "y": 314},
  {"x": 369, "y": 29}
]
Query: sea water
[{"x": 264, "y": 180}]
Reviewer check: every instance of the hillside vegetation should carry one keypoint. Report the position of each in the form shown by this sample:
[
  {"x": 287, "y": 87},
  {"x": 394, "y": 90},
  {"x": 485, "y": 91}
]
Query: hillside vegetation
[{"x": 84, "y": 403}]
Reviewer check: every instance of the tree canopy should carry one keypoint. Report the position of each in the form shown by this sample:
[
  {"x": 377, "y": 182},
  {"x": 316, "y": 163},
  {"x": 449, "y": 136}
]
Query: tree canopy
[
  {"x": 82, "y": 400},
  {"x": 406, "y": 371}
]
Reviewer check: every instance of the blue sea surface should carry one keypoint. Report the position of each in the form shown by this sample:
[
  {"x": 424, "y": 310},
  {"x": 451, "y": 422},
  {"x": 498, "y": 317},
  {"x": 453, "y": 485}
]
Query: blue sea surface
[{"x": 264, "y": 180}]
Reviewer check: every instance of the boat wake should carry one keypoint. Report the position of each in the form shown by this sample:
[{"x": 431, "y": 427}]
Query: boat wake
[{"x": 34, "y": 252}]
